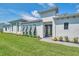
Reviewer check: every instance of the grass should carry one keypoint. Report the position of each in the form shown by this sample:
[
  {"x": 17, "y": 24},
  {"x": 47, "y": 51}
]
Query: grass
[{"x": 14, "y": 45}]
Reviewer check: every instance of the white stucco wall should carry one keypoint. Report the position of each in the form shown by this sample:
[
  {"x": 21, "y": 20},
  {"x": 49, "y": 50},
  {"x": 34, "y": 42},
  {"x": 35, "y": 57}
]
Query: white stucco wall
[
  {"x": 73, "y": 30},
  {"x": 39, "y": 28},
  {"x": 4, "y": 30},
  {"x": 20, "y": 29},
  {"x": 8, "y": 29},
  {"x": 40, "y": 31},
  {"x": 14, "y": 29}
]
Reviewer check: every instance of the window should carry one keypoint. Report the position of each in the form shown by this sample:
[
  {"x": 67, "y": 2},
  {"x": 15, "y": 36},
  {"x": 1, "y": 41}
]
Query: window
[
  {"x": 5, "y": 28},
  {"x": 66, "y": 25}
]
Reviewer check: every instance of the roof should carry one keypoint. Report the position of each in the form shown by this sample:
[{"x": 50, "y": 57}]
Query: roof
[
  {"x": 7, "y": 25},
  {"x": 33, "y": 21},
  {"x": 20, "y": 20},
  {"x": 51, "y": 9},
  {"x": 47, "y": 19},
  {"x": 2, "y": 25},
  {"x": 24, "y": 21},
  {"x": 66, "y": 15}
]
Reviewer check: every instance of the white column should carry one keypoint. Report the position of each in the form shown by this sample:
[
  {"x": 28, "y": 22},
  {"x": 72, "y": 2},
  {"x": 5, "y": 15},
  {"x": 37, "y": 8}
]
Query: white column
[
  {"x": 33, "y": 27},
  {"x": 16, "y": 28},
  {"x": 44, "y": 30},
  {"x": 28, "y": 29},
  {"x": 48, "y": 29},
  {"x": 53, "y": 28}
]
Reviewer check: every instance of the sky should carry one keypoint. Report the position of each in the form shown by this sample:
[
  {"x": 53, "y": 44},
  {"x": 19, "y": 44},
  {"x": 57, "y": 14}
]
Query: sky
[{"x": 15, "y": 11}]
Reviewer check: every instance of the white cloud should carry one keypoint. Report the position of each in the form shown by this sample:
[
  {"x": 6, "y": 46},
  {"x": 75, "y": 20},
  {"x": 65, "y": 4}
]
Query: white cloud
[
  {"x": 28, "y": 17},
  {"x": 8, "y": 11},
  {"x": 77, "y": 10},
  {"x": 45, "y": 5},
  {"x": 77, "y": 6},
  {"x": 24, "y": 15},
  {"x": 42, "y": 4},
  {"x": 35, "y": 13},
  {"x": 3, "y": 11},
  {"x": 51, "y": 4},
  {"x": 12, "y": 11}
]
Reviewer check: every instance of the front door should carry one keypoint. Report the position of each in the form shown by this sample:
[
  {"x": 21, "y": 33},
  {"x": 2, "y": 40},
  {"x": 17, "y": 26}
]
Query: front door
[{"x": 48, "y": 30}]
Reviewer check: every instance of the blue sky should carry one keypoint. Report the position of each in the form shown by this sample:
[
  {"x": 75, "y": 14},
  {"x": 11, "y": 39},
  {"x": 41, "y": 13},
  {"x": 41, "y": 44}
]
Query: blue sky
[{"x": 12, "y": 11}]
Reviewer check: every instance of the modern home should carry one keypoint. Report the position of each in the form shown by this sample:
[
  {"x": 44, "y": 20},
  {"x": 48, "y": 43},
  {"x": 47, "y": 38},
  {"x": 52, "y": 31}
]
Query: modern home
[
  {"x": 1, "y": 26},
  {"x": 51, "y": 24},
  {"x": 14, "y": 26}
]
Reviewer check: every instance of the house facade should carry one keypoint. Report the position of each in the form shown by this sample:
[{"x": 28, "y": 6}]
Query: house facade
[
  {"x": 50, "y": 25},
  {"x": 14, "y": 27}
]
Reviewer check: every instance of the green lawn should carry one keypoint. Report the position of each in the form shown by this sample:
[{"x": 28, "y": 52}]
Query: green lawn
[{"x": 14, "y": 45}]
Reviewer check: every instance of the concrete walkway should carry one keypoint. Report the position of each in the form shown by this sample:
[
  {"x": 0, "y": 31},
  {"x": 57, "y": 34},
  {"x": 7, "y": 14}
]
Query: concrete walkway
[{"x": 58, "y": 42}]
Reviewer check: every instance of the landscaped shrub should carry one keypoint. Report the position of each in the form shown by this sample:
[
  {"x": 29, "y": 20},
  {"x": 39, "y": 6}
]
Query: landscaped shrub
[
  {"x": 66, "y": 38},
  {"x": 38, "y": 37},
  {"x": 75, "y": 40},
  {"x": 55, "y": 38},
  {"x": 28, "y": 35},
  {"x": 34, "y": 36},
  {"x": 60, "y": 38}
]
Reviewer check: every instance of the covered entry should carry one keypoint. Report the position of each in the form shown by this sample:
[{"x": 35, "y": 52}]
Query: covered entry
[{"x": 47, "y": 30}]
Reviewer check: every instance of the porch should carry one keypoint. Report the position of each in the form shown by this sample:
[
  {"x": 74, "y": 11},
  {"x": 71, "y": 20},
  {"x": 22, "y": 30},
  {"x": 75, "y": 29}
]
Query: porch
[{"x": 29, "y": 30}]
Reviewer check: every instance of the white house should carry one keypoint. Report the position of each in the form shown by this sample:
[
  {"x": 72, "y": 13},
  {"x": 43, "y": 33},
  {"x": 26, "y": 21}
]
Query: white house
[
  {"x": 50, "y": 25},
  {"x": 14, "y": 26}
]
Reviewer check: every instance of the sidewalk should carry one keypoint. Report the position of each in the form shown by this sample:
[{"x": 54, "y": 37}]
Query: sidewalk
[{"x": 58, "y": 42}]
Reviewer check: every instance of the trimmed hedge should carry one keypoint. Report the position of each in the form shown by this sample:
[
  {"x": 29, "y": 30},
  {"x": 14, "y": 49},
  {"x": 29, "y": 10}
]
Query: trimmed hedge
[
  {"x": 66, "y": 39},
  {"x": 55, "y": 39},
  {"x": 60, "y": 38},
  {"x": 75, "y": 40}
]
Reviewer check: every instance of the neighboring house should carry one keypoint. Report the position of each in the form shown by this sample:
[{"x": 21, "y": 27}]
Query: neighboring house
[
  {"x": 14, "y": 26},
  {"x": 1, "y": 26},
  {"x": 6, "y": 28},
  {"x": 50, "y": 25}
]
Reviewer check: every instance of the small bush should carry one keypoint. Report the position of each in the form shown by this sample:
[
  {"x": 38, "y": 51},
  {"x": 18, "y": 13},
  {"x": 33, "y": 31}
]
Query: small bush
[
  {"x": 35, "y": 36},
  {"x": 66, "y": 38},
  {"x": 27, "y": 35},
  {"x": 60, "y": 38},
  {"x": 76, "y": 40},
  {"x": 55, "y": 39},
  {"x": 31, "y": 36},
  {"x": 38, "y": 37}
]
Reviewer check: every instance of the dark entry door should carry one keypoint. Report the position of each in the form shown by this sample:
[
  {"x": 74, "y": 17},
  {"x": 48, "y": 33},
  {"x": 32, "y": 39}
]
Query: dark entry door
[{"x": 48, "y": 30}]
